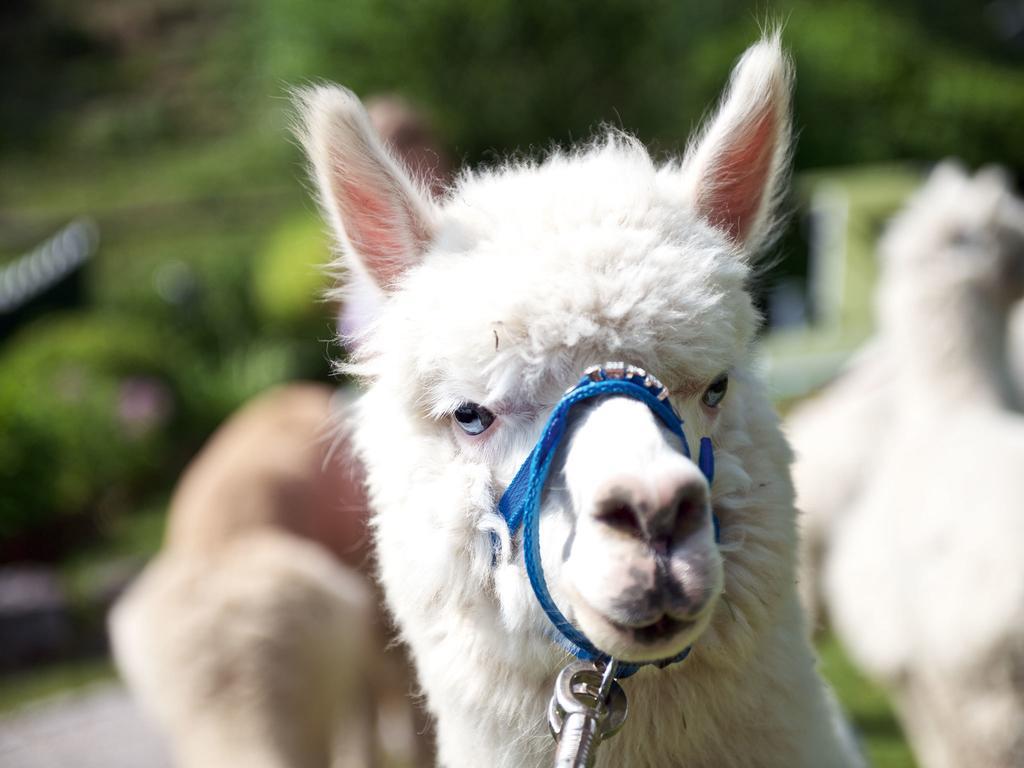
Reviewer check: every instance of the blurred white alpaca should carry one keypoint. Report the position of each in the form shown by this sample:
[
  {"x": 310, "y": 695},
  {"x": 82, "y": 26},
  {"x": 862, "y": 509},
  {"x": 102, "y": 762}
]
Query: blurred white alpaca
[
  {"x": 834, "y": 437},
  {"x": 1015, "y": 348},
  {"x": 489, "y": 305},
  {"x": 923, "y": 563},
  {"x": 835, "y": 434}
]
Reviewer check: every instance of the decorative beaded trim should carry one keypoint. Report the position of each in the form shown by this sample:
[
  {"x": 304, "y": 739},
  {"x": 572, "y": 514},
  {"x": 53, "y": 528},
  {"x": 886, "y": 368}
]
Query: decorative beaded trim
[{"x": 630, "y": 373}]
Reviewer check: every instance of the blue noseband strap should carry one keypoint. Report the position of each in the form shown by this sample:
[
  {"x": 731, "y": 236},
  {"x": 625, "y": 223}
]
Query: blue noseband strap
[{"x": 520, "y": 504}]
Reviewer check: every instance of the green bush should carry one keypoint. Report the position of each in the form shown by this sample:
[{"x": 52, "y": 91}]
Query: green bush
[
  {"x": 93, "y": 77},
  {"x": 879, "y": 79},
  {"x": 90, "y": 407},
  {"x": 500, "y": 74},
  {"x": 873, "y": 87},
  {"x": 289, "y": 279},
  {"x": 876, "y": 80},
  {"x": 183, "y": 267},
  {"x": 98, "y": 412}
]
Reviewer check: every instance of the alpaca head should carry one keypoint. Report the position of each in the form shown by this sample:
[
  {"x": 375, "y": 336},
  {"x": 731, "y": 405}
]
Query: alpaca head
[
  {"x": 961, "y": 231},
  {"x": 492, "y": 300}
]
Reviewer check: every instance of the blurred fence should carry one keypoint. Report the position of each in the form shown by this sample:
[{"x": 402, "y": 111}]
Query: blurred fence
[{"x": 844, "y": 212}]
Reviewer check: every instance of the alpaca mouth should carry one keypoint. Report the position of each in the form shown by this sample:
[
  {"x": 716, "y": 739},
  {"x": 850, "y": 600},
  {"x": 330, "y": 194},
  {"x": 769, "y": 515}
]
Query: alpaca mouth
[
  {"x": 657, "y": 631},
  {"x": 665, "y": 636}
]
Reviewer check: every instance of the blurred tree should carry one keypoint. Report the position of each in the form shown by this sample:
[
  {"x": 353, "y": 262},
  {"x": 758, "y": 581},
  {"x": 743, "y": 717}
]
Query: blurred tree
[
  {"x": 116, "y": 74},
  {"x": 877, "y": 80}
]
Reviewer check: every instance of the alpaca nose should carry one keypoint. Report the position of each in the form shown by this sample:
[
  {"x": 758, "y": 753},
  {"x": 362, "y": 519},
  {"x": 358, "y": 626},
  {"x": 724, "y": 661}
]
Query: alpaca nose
[{"x": 661, "y": 513}]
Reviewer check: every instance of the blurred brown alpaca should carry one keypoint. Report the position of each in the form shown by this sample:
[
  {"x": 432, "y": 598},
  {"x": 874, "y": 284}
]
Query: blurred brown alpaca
[{"x": 255, "y": 637}]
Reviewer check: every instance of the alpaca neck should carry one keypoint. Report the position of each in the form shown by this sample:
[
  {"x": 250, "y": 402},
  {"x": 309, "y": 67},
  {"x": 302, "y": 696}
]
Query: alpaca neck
[{"x": 948, "y": 343}]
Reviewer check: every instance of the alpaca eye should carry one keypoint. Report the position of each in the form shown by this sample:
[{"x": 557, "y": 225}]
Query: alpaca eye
[
  {"x": 967, "y": 238},
  {"x": 713, "y": 395},
  {"x": 473, "y": 419}
]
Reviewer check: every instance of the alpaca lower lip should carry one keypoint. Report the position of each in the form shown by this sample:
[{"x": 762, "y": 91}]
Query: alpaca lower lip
[
  {"x": 661, "y": 638},
  {"x": 656, "y": 631}
]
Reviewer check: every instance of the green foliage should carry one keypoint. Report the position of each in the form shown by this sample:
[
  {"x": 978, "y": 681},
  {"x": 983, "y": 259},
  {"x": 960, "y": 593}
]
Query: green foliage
[
  {"x": 90, "y": 407},
  {"x": 501, "y": 74},
  {"x": 193, "y": 282},
  {"x": 879, "y": 80},
  {"x": 183, "y": 235},
  {"x": 873, "y": 87},
  {"x": 867, "y": 706},
  {"x": 875, "y": 83},
  {"x": 99, "y": 410},
  {"x": 224, "y": 384},
  {"x": 120, "y": 75},
  {"x": 290, "y": 279},
  {"x": 34, "y": 685}
]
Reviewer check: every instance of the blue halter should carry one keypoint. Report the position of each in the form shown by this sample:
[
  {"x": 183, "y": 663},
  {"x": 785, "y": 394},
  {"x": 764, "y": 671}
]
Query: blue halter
[{"x": 520, "y": 504}]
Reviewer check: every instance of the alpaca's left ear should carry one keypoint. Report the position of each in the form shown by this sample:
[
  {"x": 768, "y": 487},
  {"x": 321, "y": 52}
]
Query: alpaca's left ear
[{"x": 736, "y": 170}]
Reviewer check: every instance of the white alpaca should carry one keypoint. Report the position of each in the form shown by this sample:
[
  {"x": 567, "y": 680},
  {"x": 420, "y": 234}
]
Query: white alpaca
[
  {"x": 1016, "y": 354},
  {"x": 835, "y": 433},
  {"x": 924, "y": 574},
  {"x": 491, "y": 303}
]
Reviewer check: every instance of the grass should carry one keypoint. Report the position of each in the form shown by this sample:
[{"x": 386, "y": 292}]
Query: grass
[
  {"x": 867, "y": 706},
  {"x": 109, "y": 183},
  {"x": 30, "y": 686}
]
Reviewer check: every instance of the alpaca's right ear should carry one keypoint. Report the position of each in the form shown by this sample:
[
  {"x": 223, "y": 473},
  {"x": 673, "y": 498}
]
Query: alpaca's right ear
[{"x": 380, "y": 218}]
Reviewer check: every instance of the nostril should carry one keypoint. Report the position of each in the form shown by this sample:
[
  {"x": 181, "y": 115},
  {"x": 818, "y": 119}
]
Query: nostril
[
  {"x": 621, "y": 516},
  {"x": 686, "y": 509},
  {"x": 684, "y": 516},
  {"x": 690, "y": 515}
]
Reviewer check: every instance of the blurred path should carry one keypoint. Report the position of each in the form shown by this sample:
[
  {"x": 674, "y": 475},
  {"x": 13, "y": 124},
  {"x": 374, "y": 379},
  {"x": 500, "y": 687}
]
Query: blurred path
[{"x": 98, "y": 727}]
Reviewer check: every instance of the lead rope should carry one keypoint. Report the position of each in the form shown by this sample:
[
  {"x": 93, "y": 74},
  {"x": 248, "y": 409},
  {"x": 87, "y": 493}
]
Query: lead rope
[{"x": 588, "y": 707}]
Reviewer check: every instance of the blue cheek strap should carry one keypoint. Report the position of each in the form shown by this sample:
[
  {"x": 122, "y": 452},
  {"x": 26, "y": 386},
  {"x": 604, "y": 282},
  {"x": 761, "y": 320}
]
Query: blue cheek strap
[{"x": 520, "y": 504}]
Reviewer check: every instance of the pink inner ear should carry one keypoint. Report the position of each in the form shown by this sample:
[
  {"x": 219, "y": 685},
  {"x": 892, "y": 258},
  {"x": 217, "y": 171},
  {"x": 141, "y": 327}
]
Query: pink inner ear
[
  {"x": 378, "y": 229},
  {"x": 741, "y": 174}
]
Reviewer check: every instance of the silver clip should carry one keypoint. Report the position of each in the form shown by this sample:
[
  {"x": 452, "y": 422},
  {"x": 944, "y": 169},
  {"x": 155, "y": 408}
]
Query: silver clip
[{"x": 588, "y": 706}]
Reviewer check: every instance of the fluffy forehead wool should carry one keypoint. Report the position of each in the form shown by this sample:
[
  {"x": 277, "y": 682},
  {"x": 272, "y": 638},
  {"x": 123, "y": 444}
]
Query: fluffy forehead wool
[{"x": 540, "y": 269}]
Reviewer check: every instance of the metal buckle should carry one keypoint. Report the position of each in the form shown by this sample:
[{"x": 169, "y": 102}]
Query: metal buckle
[{"x": 588, "y": 706}]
